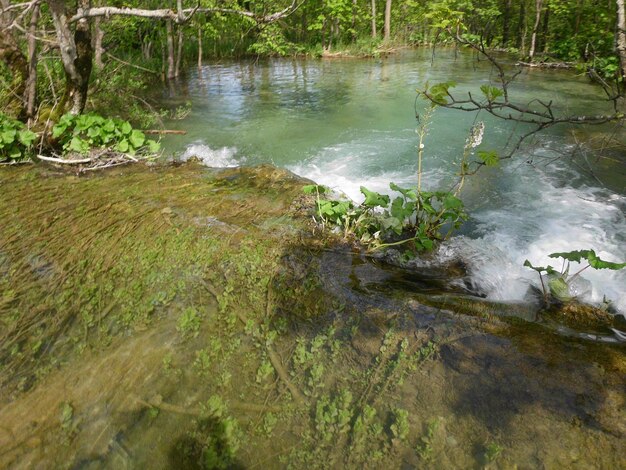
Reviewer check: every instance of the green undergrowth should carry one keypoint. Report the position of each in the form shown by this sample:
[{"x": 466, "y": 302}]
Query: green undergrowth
[{"x": 413, "y": 218}]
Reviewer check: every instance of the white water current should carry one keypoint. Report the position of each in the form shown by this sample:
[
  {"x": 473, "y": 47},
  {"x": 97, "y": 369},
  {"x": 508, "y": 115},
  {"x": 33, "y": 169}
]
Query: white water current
[{"x": 347, "y": 124}]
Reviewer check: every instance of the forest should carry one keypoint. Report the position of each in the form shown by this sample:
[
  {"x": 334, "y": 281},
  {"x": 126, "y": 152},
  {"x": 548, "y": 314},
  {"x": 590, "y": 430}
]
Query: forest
[
  {"x": 54, "y": 52},
  {"x": 312, "y": 234}
]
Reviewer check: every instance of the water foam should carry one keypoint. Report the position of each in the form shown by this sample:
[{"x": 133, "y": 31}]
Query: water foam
[{"x": 224, "y": 157}]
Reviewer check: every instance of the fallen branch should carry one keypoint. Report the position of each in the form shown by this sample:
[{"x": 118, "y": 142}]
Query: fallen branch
[
  {"x": 164, "y": 131},
  {"x": 64, "y": 161},
  {"x": 547, "y": 65},
  {"x": 282, "y": 373},
  {"x": 139, "y": 67}
]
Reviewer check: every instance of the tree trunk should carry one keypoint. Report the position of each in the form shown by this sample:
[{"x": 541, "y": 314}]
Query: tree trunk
[
  {"x": 533, "y": 38},
  {"x": 545, "y": 30},
  {"x": 199, "y": 48},
  {"x": 98, "y": 43},
  {"x": 16, "y": 62},
  {"x": 621, "y": 40},
  {"x": 31, "y": 86},
  {"x": 506, "y": 22},
  {"x": 374, "y": 34},
  {"x": 354, "y": 12},
  {"x": 179, "y": 52},
  {"x": 521, "y": 28},
  {"x": 387, "y": 35},
  {"x": 76, "y": 54},
  {"x": 171, "y": 71}
]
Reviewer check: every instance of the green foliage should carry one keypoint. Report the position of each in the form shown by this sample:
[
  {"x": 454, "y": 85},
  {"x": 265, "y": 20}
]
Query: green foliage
[
  {"x": 425, "y": 447},
  {"x": 559, "y": 282},
  {"x": 414, "y": 216},
  {"x": 189, "y": 322},
  {"x": 590, "y": 256},
  {"x": 315, "y": 189},
  {"x": 491, "y": 92},
  {"x": 439, "y": 92},
  {"x": 492, "y": 452},
  {"x": 15, "y": 140},
  {"x": 488, "y": 157},
  {"x": 84, "y": 132},
  {"x": 400, "y": 426}
]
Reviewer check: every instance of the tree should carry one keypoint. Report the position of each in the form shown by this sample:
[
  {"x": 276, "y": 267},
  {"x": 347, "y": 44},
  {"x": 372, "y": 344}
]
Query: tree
[
  {"x": 621, "y": 40},
  {"x": 387, "y": 32}
]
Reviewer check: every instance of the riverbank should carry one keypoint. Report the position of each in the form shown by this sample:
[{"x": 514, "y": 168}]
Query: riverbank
[{"x": 189, "y": 317}]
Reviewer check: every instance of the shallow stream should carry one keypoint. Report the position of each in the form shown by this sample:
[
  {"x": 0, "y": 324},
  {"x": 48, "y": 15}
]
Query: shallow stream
[
  {"x": 185, "y": 317},
  {"x": 347, "y": 123}
]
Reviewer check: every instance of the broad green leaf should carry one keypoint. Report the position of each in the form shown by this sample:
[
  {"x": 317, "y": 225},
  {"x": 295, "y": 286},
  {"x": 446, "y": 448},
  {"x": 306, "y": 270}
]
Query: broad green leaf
[
  {"x": 78, "y": 145},
  {"x": 407, "y": 193},
  {"x": 489, "y": 158},
  {"x": 93, "y": 131},
  {"x": 126, "y": 128},
  {"x": 574, "y": 256},
  {"x": 548, "y": 269},
  {"x": 401, "y": 211},
  {"x": 597, "y": 263},
  {"x": 27, "y": 137},
  {"x": 374, "y": 199},
  {"x": 136, "y": 138},
  {"x": 8, "y": 136},
  {"x": 452, "y": 202},
  {"x": 109, "y": 125},
  {"x": 58, "y": 130},
  {"x": 559, "y": 288},
  {"x": 491, "y": 92},
  {"x": 122, "y": 146},
  {"x": 153, "y": 146}
]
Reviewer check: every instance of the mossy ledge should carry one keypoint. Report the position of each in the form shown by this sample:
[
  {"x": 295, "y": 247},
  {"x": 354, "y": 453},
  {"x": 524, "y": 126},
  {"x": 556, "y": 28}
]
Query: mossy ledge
[{"x": 185, "y": 317}]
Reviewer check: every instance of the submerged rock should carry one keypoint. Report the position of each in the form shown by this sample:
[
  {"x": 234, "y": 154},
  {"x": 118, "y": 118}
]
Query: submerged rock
[{"x": 582, "y": 317}]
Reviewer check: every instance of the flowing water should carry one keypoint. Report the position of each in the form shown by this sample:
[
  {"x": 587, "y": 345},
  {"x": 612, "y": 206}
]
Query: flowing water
[
  {"x": 347, "y": 123},
  {"x": 184, "y": 317}
]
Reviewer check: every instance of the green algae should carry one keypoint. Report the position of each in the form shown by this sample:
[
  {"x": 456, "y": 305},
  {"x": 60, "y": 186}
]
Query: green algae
[{"x": 190, "y": 321}]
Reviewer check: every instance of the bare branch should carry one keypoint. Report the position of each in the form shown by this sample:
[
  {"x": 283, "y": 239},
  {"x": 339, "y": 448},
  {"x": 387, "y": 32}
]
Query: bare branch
[{"x": 180, "y": 16}]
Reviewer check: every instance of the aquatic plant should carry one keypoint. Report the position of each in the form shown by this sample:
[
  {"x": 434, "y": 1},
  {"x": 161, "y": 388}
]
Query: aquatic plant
[
  {"x": 415, "y": 217},
  {"x": 559, "y": 282}
]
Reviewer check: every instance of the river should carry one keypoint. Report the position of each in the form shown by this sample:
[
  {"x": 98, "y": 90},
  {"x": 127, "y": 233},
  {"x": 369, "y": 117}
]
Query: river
[{"x": 347, "y": 123}]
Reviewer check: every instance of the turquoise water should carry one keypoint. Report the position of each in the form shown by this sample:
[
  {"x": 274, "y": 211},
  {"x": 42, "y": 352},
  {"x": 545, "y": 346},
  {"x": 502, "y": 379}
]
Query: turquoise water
[{"x": 347, "y": 123}]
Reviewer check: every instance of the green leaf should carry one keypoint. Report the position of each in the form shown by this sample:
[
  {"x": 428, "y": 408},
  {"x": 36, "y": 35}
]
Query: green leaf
[
  {"x": 126, "y": 128},
  {"x": 548, "y": 269},
  {"x": 109, "y": 125},
  {"x": 78, "y": 145},
  {"x": 27, "y": 137},
  {"x": 452, "y": 202},
  {"x": 122, "y": 146},
  {"x": 575, "y": 256},
  {"x": 491, "y": 92},
  {"x": 374, "y": 199},
  {"x": 399, "y": 210},
  {"x": 559, "y": 288},
  {"x": 136, "y": 138},
  {"x": 8, "y": 136},
  {"x": 489, "y": 158},
  {"x": 315, "y": 188},
  {"x": 58, "y": 130},
  {"x": 407, "y": 193},
  {"x": 153, "y": 146}
]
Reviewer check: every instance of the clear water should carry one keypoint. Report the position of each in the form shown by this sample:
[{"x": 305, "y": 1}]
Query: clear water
[{"x": 347, "y": 123}]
